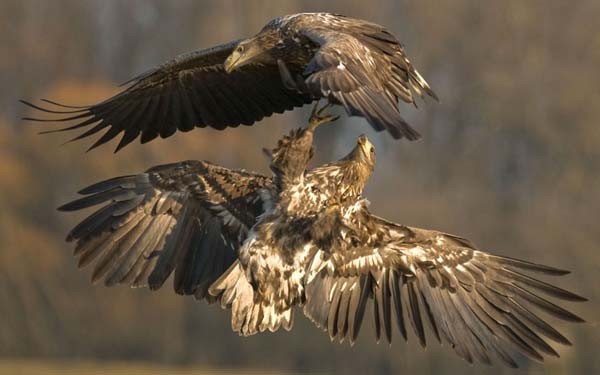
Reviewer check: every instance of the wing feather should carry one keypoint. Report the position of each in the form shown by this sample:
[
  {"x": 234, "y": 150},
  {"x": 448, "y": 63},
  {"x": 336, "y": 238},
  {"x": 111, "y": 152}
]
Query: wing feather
[
  {"x": 187, "y": 217},
  {"x": 482, "y": 305},
  {"x": 364, "y": 68},
  {"x": 191, "y": 90}
]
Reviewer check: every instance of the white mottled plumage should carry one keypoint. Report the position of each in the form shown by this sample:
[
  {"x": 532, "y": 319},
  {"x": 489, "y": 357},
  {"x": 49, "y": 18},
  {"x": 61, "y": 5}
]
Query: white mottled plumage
[
  {"x": 261, "y": 246},
  {"x": 280, "y": 246}
]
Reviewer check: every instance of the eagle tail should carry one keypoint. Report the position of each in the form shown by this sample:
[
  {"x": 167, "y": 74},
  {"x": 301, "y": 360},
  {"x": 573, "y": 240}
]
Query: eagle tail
[
  {"x": 380, "y": 111},
  {"x": 249, "y": 315}
]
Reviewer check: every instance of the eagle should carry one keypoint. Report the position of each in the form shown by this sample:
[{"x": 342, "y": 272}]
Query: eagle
[
  {"x": 292, "y": 61},
  {"x": 263, "y": 245}
]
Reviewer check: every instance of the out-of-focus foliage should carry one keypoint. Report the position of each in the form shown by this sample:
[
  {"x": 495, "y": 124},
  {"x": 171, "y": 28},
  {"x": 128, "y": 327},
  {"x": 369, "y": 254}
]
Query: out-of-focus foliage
[
  {"x": 54, "y": 367},
  {"x": 510, "y": 158}
]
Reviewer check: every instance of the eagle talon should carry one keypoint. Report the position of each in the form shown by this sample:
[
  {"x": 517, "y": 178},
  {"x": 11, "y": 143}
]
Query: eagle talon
[
  {"x": 316, "y": 120},
  {"x": 315, "y": 116}
]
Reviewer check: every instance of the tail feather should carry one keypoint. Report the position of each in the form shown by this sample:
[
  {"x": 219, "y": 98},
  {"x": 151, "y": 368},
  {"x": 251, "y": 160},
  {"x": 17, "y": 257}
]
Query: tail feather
[
  {"x": 379, "y": 110},
  {"x": 249, "y": 314}
]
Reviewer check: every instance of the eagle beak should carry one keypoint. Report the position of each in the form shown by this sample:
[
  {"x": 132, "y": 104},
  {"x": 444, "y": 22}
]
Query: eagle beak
[
  {"x": 230, "y": 62},
  {"x": 365, "y": 145}
]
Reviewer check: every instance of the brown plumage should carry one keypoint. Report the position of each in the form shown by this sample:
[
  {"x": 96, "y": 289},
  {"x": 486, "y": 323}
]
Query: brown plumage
[
  {"x": 189, "y": 217},
  {"x": 261, "y": 248},
  {"x": 481, "y": 305},
  {"x": 292, "y": 61}
]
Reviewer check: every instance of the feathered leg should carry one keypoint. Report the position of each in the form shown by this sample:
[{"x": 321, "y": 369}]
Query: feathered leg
[{"x": 316, "y": 117}]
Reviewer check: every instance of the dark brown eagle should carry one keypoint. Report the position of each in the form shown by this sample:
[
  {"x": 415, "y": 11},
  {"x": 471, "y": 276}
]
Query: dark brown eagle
[
  {"x": 292, "y": 61},
  {"x": 262, "y": 245}
]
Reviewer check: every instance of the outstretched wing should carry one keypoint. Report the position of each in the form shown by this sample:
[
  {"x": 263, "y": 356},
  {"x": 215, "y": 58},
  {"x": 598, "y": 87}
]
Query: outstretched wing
[
  {"x": 478, "y": 303},
  {"x": 190, "y": 217},
  {"x": 192, "y": 90},
  {"x": 364, "y": 68}
]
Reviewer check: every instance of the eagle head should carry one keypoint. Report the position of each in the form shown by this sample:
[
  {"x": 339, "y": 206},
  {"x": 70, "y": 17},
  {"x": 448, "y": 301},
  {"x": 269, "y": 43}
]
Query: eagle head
[
  {"x": 247, "y": 51},
  {"x": 360, "y": 163},
  {"x": 365, "y": 151},
  {"x": 362, "y": 153}
]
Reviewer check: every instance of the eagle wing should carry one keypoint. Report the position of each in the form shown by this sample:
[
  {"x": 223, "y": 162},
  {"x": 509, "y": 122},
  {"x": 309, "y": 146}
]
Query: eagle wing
[
  {"x": 191, "y": 90},
  {"x": 189, "y": 217},
  {"x": 476, "y": 302},
  {"x": 364, "y": 68}
]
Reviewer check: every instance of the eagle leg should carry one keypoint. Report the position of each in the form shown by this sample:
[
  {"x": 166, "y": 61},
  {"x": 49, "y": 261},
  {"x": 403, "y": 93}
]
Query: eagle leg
[
  {"x": 288, "y": 80},
  {"x": 286, "y": 76},
  {"x": 316, "y": 117}
]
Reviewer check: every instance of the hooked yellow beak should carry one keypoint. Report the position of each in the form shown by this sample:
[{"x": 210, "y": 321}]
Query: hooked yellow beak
[
  {"x": 230, "y": 62},
  {"x": 364, "y": 143}
]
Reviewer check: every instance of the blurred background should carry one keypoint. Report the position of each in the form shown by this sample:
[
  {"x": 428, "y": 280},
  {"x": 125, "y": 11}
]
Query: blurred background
[{"x": 510, "y": 159}]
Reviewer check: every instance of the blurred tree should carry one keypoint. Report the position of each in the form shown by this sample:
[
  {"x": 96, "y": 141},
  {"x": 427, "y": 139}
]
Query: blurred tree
[{"x": 510, "y": 158}]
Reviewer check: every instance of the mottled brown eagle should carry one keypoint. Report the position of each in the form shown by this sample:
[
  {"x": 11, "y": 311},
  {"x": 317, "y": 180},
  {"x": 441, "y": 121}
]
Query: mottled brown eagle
[
  {"x": 262, "y": 245},
  {"x": 292, "y": 61}
]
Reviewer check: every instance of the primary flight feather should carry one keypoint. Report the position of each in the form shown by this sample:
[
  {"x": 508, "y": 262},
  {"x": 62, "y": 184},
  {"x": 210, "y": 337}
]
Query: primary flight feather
[{"x": 292, "y": 61}]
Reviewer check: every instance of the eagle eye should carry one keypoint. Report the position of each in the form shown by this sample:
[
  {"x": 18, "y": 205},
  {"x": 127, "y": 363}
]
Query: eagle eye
[
  {"x": 240, "y": 49},
  {"x": 372, "y": 149}
]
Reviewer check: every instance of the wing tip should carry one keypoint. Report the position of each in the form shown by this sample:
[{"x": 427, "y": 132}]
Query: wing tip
[
  {"x": 65, "y": 208},
  {"x": 528, "y": 266},
  {"x": 72, "y": 109}
]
